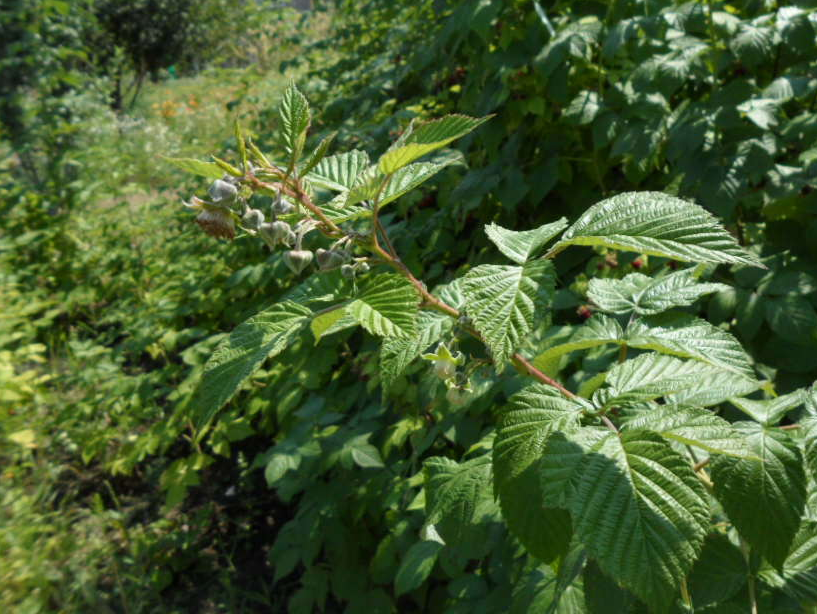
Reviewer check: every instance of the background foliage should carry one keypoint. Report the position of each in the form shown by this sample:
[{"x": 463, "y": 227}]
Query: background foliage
[{"x": 307, "y": 493}]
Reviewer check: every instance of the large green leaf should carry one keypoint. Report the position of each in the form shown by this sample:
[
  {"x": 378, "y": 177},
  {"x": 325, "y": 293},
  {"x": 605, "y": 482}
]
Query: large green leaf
[
  {"x": 652, "y": 375},
  {"x": 239, "y": 356},
  {"x": 644, "y": 295},
  {"x": 460, "y": 502},
  {"x": 641, "y": 512},
  {"x": 798, "y": 574},
  {"x": 387, "y": 306},
  {"x": 295, "y": 119},
  {"x": 753, "y": 493},
  {"x": 686, "y": 336},
  {"x": 425, "y": 138},
  {"x": 693, "y": 426},
  {"x": 532, "y": 415},
  {"x": 339, "y": 172},
  {"x": 502, "y": 301},
  {"x": 656, "y": 224},
  {"x": 520, "y": 246}
]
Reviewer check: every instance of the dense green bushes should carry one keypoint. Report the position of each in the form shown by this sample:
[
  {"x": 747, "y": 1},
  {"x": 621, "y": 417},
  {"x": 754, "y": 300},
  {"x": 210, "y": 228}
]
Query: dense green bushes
[{"x": 312, "y": 477}]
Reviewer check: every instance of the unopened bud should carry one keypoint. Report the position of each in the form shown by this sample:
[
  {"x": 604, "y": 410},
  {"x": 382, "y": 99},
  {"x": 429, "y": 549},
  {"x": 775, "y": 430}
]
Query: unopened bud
[
  {"x": 297, "y": 259},
  {"x": 329, "y": 259},
  {"x": 222, "y": 192},
  {"x": 252, "y": 219}
]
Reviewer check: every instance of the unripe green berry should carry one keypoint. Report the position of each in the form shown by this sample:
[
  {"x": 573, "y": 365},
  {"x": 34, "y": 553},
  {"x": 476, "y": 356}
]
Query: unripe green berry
[{"x": 297, "y": 259}]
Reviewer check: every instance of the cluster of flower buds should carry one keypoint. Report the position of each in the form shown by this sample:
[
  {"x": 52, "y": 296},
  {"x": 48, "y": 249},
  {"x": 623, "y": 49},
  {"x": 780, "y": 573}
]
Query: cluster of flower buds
[{"x": 225, "y": 207}]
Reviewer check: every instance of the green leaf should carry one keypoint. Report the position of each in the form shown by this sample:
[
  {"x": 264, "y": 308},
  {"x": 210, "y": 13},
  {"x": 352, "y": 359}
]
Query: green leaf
[
  {"x": 719, "y": 573},
  {"x": 264, "y": 335},
  {"x": 241, "y": 144},
  {"x": 460, "y": 502},
  {"x": 425, "y": 138},
  {"x": 558, "y": 467},
  {"x": 339, "y": 172},
  {"x": 520, "y": 246},
  {"x": 370, "y": 184},
  {"x": 387, "y": 306},
  {"x": 641, "y": 512},
  {"x": 366, "y": 455},
  {"x": 226, "y": 167},
  {"x": 397, "y": 353},
  {"x": 769, "y": 411},
  {"x": 330, "y": 322},
  {"x": 752, "y": 492},
  {"x": 532, "y": 415},
  {"x": 598, "y": 330},
  {"x": 659, "y": 225},
  {"x": 689, "y": 337},
  {"x": 583, "y": 109},
  {"x": 318, "y": 154},
  {"x": 502, "y": 301},
  {"x": 808, "y": 437},
  {"x": 197, "y": 167},
  {"x": 793, "y": 318},
  {"x": 295, "y": 119},
  {"x": 546, "y": 592},
  {"x": 602, "y": 595},
  {"x": 650, "y": 376},
  {"x": 416, "y": 566},
  {"x": 647, "y": 296},
  {"x": 693, "y": 426},
  {"x": 798, "y": 574}
]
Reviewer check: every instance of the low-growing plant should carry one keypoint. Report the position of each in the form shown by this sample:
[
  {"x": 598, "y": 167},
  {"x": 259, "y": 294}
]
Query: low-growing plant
[{"x": 669, "y": 477}]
